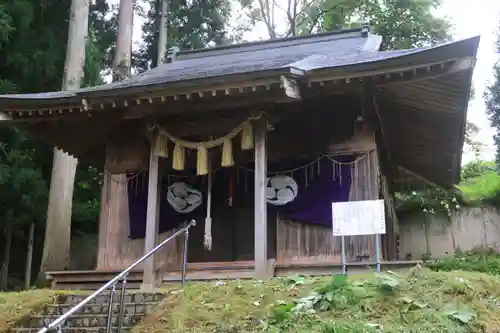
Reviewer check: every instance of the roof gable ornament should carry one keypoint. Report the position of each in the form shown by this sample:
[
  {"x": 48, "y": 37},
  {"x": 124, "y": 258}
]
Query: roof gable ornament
[
  {"x": 291, "y": 87},
  {"x": 366, "y": 29},
  {"x": 172, "y": 53}
]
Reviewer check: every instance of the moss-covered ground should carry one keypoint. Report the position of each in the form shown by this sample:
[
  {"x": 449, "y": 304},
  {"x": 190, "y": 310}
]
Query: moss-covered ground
[{"x": 418, "y": 300}]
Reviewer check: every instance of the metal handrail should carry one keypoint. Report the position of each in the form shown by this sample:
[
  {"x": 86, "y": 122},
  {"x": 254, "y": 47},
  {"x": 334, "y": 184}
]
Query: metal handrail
[{"x": 123, "y": 276}]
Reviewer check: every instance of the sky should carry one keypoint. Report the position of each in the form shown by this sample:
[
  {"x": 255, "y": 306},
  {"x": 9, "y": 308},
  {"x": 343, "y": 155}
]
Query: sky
[{"x": 470, "y": 18}]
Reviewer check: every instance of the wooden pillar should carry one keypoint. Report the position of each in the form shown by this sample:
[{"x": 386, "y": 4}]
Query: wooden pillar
[
  {"x": 152, "y": 222},
  {"x": 260, "y": 204},
  {"x": 103, "y": 222}
]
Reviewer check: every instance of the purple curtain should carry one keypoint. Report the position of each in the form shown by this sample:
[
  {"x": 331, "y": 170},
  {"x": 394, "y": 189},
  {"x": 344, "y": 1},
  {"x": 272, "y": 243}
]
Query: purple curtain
[
  {"x": 318, "y": 186},
  {"x": 313, "y": 203}
]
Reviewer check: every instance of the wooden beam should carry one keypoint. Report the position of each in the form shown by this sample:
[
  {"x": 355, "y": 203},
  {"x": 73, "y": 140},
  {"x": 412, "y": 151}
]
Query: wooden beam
[
  {"x": 260, "y": 203},
  {"x": 255, "y": 100},
  {"x": 397, "y": 74},
  {"x": 373, "y": 117},
  {"x": 457, "y": 65},
  {"x": 417, "y": 176},
  {"x": 152, "y": 222}
]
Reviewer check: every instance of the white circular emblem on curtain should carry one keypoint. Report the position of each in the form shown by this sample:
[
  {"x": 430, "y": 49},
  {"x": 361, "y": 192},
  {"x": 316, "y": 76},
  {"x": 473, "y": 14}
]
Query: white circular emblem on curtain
[
  {"x": 183, "y": 198},
  {"x": 281, "y": 190}
]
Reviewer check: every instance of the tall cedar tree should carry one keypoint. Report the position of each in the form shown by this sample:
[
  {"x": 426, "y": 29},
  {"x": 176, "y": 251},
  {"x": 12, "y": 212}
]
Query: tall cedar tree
[
  {"x": 191, "y": 25},
  {"x": 33, "y": 40},
  {"x": 56, "y": 247}
]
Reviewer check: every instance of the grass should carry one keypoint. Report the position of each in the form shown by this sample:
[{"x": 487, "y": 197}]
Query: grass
[
  {"x": 16, "y": 305},
  {"x": 419, "y": 300},
  {"x": 478, "y": 260}
]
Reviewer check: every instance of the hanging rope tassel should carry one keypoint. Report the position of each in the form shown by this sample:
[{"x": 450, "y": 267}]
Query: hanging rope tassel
[
  {"x": 227, "y": 153},
  {"x": 246, "y": 136},
  {"x": 178, "y": 157},
  {"x": 207, "y": 238},
  {"x": 202, "y": 161},
  {"x": 161, "y": 146}
]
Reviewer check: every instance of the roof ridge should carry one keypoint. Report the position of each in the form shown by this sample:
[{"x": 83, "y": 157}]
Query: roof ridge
[{"x": 261, "y": 44}]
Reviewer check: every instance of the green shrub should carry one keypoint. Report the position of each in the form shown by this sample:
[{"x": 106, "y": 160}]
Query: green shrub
[{"x": 474, "y": 261}]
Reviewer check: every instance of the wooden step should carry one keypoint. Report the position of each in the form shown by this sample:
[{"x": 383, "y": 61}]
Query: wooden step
[
  {"x": 322, "y": 268},
  {"x": 89, "y": 280}
]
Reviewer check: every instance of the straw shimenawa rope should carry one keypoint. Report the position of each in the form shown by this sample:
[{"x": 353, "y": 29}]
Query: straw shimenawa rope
[{"x": 178, "y": 163}]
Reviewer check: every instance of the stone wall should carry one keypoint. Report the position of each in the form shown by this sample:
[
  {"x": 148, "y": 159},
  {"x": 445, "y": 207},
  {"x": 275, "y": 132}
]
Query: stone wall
[{"x": 423, "y": 235}]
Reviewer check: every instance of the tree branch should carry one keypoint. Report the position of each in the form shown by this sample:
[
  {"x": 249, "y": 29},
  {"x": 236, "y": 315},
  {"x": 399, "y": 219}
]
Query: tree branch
[
  {"x": 318, "y": 17},
  {"x": 266, "y": 18}
]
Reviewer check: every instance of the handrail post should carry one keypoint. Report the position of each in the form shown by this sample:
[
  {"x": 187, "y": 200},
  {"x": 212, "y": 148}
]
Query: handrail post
[
  {"x": 184, "y": 258},
  {"x": 122, "y": 305},
  {"x": 112, "y": 283},
  {"x": 110, "y": 308}
]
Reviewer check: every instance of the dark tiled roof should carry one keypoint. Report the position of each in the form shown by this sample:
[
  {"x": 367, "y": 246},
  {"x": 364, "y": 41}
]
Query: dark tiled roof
[
  {"x": 254, "y": 57},
  {"x": 307, "y": 54},
  {"x": 413, "y": 110},
  {"x": 237, "y": 59}
]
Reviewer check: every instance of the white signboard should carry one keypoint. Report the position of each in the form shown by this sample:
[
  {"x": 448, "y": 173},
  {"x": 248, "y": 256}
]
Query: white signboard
[{"x": 358, "y": 218}]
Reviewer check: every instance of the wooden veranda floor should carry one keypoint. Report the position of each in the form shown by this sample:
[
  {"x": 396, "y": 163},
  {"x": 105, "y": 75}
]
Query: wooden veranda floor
[{"x": 93, "y": 279}]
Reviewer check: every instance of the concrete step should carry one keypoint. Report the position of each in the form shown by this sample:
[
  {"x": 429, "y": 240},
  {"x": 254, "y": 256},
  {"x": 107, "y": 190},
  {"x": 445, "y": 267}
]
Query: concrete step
[
  {"x": 93, "y": 316},
  {"x": 129, "y": 308},
  {"x": 87, "y": 320},
  {"x": 74, "y": 330},
  {"x": 104, "y": 298}
]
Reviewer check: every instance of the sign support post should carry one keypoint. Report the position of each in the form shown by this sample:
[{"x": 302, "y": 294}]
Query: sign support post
[
  {"x": 355, "y": 218},
  {"x": 342, "y": 255},
  {"x": 377, "y": 253}
]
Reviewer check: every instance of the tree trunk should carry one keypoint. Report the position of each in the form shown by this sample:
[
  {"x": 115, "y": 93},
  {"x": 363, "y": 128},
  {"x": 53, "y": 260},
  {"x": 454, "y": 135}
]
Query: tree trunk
[
  {"x": 29, "y": 256},
  {"x": 123, "y": 52},
  {"x": 4, "y": 271},
  {"x": 121, "y": 70},
  {"x": 58, "y": 227},
  {"x": 163, "y": 33}
]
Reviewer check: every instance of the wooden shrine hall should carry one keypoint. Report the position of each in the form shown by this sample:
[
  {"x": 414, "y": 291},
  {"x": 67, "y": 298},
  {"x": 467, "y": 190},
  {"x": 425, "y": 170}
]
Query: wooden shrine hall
[{"x": 255, "y": 141}]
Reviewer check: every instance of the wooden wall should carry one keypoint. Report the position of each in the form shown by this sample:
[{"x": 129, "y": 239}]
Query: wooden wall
[
  {"x": 232, "y": 233},
  {"x": 116, "y": 250},
  {"x": 299, "y": 243},
  {"x": 233, "y": 230}
]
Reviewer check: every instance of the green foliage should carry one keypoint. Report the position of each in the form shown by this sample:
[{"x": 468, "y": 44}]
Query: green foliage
[
  {"x": 33, "y": 38},
  {"x": 404, "y": 23},
  {"x": 23, "y": 187},
  {"x": 480, "y": 184},
  {"x": 401, "y": 23},
  {"x": 429, "y": 200},
  {"x": 191, "y": 25},
  {"x": 474, "y": 261},
  {"x": 88, "y": 181},
  {"x": 470, "y": 141},
  {"x": 343, "y": 305}
]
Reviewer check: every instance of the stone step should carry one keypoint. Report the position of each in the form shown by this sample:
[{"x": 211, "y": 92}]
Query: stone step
[
  {"x": 104, "y": 298},
  {"x": 87, "y": 320},
  {"x": 73, "y": 330},
  {"x": 129, "y": 308}
]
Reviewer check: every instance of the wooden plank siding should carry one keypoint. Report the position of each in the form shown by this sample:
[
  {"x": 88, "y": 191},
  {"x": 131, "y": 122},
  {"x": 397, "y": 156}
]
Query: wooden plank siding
[
  {"x": 302, "y": 243},
  {"x": 233, "y": 230}
]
